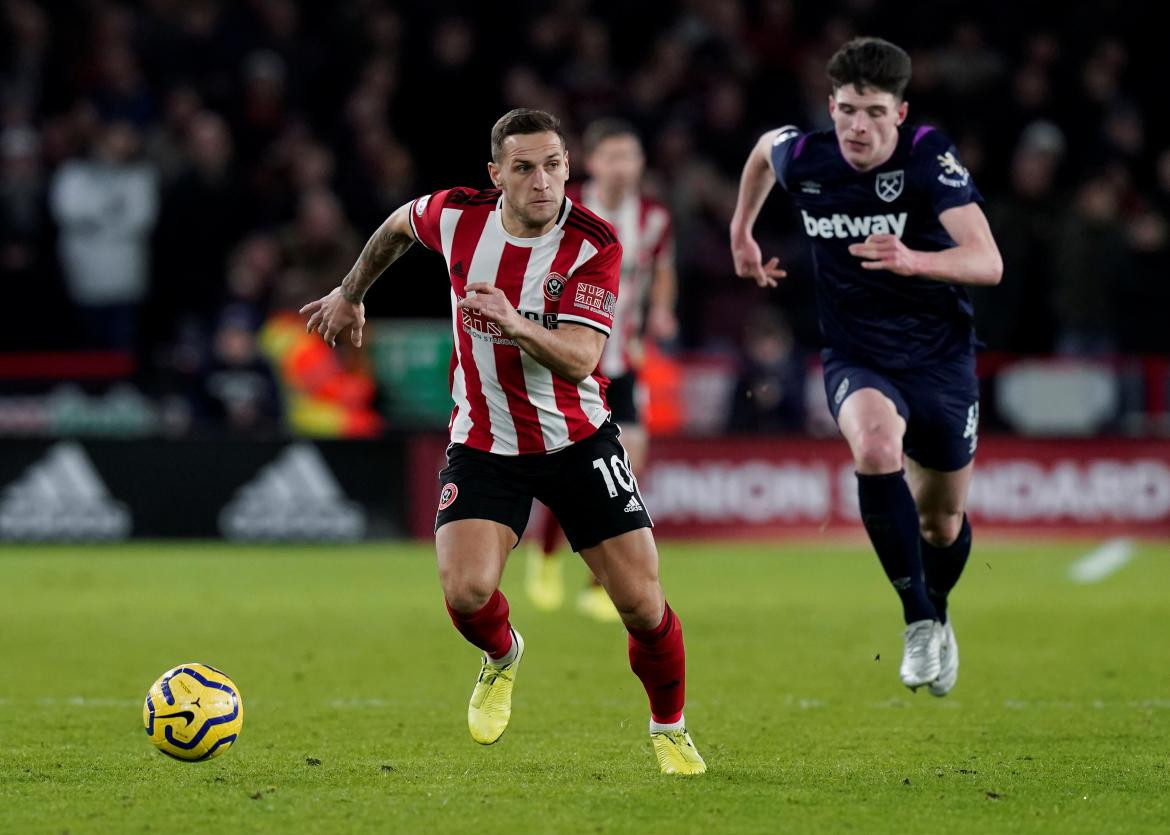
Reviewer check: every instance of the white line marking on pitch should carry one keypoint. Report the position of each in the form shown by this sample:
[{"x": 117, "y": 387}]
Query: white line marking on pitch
[{"x": 1098, "y": 564}]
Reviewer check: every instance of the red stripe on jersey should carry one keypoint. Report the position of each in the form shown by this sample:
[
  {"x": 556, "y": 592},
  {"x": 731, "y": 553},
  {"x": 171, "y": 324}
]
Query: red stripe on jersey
[
  {"x": 463, "y": 244},
  {"x": 568, "y": 397},
  {"x": 509, "y": 365}
]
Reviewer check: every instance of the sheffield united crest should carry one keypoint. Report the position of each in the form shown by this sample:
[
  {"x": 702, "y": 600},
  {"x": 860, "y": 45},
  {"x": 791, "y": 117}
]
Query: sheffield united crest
[{"x": 888, "y": 185}]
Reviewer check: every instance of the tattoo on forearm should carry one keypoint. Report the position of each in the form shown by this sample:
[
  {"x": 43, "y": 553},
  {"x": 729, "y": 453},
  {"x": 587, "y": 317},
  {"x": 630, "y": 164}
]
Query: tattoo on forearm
[{"x": 382, "y": 249}]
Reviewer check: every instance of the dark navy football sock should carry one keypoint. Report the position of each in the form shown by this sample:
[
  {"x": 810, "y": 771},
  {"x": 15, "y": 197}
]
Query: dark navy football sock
[
  {"x": 943, "y": 566},
  {"x": 891, "y": 520}
]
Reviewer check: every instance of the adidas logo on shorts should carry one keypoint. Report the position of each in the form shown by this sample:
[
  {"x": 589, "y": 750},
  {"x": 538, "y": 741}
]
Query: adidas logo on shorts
[{"x": 633, "y": 505}]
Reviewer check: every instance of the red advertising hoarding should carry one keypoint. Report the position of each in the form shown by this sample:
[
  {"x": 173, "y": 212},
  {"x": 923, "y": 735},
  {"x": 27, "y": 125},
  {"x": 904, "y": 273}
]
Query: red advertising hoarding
[{"x": 761, "y": 487}]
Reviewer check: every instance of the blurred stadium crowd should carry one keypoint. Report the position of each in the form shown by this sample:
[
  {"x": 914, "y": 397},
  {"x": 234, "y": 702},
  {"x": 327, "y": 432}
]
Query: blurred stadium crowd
[{"x": 178, "y": 176}]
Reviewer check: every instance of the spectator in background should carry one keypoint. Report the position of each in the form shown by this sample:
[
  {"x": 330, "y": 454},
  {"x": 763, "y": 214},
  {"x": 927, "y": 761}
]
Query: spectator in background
[
  {"x": 204, "y": 214},
  {"x": 769, "y": 390},
  {"x": 318, "y": 246},
  {"x": 106, "y": 207},
  {"x": 23, "y": 234},
  {"x": 1025, "y": 222},
  {"x": 1091, "y": 254},
  {"x": 239, "y": 388}
]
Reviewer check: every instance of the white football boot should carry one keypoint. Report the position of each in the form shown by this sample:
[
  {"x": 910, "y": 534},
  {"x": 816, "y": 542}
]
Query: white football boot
[
  {"x": 948, "y": 662},
  {"x": 920, "y": 660}
]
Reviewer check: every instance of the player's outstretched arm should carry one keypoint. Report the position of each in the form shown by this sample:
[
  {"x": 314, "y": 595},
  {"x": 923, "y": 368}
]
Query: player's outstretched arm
[
  {"x": 974, "y": 260},
  {"x": 343, "y": 307},
  {"x": 754, "y": 185},
  {"x": 572, "y": 351}
]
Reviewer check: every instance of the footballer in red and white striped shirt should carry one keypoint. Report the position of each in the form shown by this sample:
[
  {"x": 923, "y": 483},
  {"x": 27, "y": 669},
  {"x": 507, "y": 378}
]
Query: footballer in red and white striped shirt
[
  {"x": 534, "y": 286},
  {"x": 505, "y": 400}
]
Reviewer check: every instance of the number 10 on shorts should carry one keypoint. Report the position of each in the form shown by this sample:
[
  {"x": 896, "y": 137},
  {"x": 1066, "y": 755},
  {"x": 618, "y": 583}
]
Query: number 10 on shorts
[{"x": 621, "y": 472}]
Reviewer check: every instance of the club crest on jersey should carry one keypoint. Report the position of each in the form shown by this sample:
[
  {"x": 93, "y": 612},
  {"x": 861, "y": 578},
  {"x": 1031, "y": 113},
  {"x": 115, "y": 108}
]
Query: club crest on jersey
[
  {"x": 448, "y": 496},
  {"x": 888, "y": 185},
  {"x": 554, "y": 286}
]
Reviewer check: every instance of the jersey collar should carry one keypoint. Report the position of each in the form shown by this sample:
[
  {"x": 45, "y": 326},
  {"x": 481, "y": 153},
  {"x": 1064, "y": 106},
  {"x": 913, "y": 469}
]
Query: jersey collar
[{"x": 498, "y": 217}]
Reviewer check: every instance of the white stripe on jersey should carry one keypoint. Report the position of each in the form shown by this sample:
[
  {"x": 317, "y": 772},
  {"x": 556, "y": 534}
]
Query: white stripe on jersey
[
  {"x": 538, "y": 379},
  {"x": 485, "y": 263},
  {"x": 588, "y": 250},
  {"x": 591, "y": 404},
  {"x": 461, "y": 420}
]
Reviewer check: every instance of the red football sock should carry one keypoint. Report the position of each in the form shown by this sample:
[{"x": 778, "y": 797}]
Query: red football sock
[
  {"x": 550, "y": 534},
  {"x": 487, "y": 628},
  {"x": 657, "y": 657}
]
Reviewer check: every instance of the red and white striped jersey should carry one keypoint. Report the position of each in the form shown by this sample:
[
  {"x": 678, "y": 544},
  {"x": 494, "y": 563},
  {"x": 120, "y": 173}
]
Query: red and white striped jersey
[
  {"x": 643, "y": 226},
  {"x": 505, "y": 401}
]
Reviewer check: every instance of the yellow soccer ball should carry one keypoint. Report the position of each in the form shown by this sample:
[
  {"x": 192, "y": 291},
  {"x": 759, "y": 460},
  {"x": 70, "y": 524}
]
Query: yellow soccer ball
[{"x": 193, "y": 712}]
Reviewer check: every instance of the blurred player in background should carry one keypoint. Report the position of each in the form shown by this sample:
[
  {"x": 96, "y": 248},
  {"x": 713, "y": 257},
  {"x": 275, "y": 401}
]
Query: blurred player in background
[
  {"x": 615, "y": 162},
  {"x": 897, "y": 231},
  {"x": 534, "y": 282}
]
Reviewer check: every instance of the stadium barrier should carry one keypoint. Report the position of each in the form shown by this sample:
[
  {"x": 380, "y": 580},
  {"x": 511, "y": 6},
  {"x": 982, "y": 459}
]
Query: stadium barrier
[
  {"x": 341, "y": 491},
  {"x": 761, "y": 487},
  {"x": 242, "y": 490}
]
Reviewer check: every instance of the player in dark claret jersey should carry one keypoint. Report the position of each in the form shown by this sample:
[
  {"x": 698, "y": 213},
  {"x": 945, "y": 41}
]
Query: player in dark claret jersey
[{"x": 897, "y": 232}]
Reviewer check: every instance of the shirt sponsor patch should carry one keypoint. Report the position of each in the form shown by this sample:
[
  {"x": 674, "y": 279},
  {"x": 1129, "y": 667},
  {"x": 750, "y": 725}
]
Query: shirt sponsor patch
[
  {"x": 953, "y": 173},
  {"x": 595, "y": 299}
]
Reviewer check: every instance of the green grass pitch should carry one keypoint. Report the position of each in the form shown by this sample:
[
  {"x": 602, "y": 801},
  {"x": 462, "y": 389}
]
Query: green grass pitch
[{"x": 356, "y": 685}]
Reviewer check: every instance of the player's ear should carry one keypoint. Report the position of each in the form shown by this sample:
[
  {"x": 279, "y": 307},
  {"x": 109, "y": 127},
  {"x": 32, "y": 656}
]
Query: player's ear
[
  {"x": 832, "y": 104},
  {"x": 494, "y": 174},
  {"x": 903, "y": 109}
]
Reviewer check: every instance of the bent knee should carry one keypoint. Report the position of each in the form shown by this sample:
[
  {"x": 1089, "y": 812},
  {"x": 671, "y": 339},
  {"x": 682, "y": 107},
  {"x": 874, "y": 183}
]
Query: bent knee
[
  {"x": 878, "y": 452},
  {"x": 639, "y": 608},
  {"x": 940, "y": 529},
  {"x": 466, "y": 593}
]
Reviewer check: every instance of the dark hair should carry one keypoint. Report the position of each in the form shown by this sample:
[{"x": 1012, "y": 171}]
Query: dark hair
[
  {"x": 520, "y": 121},
  {"x": 602, "y": 129},
  {"x": 870, "y": 62}
]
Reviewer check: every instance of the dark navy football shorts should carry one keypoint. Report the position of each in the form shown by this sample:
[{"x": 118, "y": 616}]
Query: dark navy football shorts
[{"x": 940, "y": 404}]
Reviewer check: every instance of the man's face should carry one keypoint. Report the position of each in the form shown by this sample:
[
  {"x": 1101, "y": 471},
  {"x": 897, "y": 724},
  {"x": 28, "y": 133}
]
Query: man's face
[
  {"x": 532, "y": 172},
  {"x": 616, "y": 163},
  {"x": 866, "y": 122}
]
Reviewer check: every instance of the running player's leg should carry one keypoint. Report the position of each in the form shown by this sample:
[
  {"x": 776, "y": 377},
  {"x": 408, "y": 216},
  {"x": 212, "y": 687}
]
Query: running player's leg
[
  {"x": 872, "y": 427},
  {"x": 946, "y": 543},
  {"x": 871, "y": 414},
  {"x": 941, "y": 498},
  {"x": 627, "y": 566},
  {"x": 596, "y": 497},
  {"x": 940, "y": 448},
  {"x": 483, "y": 507}
]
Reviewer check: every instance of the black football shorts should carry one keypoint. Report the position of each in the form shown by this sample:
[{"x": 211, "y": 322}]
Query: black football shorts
[
  {"x": 588, "y": 487},
  {"x": 625, "y": 397}
]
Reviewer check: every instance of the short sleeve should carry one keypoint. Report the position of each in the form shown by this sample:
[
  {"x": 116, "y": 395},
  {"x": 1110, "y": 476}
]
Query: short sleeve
[
  {"x": 425, "y": 212},
  {"x": 590, "y": 294},
  {"x": 782, "y": 151},
  {"x": 940, "y": 174}
]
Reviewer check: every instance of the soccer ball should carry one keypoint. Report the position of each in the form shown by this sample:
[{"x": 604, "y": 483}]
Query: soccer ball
[{"x": 193, "y": 712}]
